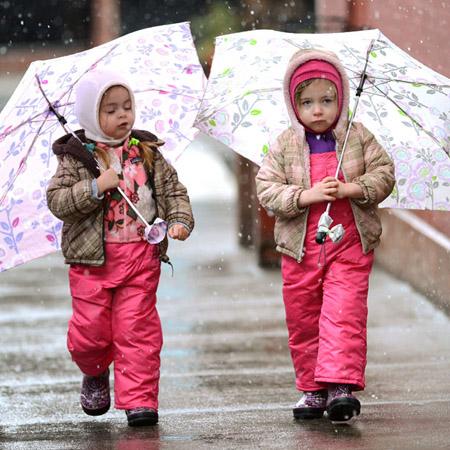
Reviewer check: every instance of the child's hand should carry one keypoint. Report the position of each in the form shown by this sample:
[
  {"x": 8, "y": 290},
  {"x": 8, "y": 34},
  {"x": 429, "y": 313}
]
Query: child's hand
[
  {"x": 348, "y": 190},
  {"x": 323, "y": 191},
  {"x": 107, "y": 180},
  {"x": 178, "y": 231}
]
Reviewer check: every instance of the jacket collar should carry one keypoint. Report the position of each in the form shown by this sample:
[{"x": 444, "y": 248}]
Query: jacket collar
[{"x": 68, "y": 144}]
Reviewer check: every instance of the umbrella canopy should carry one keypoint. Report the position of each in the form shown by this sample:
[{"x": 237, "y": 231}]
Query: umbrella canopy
[
  {"x": 404, "y": 103},
  {"x": 162, "y": 67}
]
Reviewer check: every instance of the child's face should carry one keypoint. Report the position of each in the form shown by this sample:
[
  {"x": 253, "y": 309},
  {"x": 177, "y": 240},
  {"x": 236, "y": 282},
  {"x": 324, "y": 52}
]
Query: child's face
[
  {"x": 317, "y": 106},
  {"x": 116, "y": 115}
]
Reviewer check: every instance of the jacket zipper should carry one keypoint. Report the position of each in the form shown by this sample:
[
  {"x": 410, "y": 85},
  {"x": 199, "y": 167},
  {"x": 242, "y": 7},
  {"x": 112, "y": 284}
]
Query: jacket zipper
[{"x": 301, "y": 254}]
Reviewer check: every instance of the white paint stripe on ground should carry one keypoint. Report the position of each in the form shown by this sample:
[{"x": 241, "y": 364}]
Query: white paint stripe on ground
[
  {"x": 18, "y": 422},
  {"x": 281, "y": 406},
  {"x": 51, "y": 381}
]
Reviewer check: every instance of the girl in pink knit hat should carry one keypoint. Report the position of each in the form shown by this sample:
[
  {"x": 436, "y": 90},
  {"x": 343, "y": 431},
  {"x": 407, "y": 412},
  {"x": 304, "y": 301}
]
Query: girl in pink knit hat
[{"x": 325, "y": 286}]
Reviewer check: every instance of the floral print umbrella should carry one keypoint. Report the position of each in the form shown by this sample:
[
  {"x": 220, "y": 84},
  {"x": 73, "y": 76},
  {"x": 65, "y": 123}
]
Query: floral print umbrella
[
  {"x": 404, "y": 103},
  {"x": 161, "y": 65}
]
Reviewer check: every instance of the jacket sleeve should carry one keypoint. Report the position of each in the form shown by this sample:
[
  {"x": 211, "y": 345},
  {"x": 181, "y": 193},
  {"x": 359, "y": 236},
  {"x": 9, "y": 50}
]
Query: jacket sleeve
[
  {"x": 69, "y": 196},
  {"x": 273, "y": 190},
  {"x": 379, "y": 178},
  {"x": 178, "y": 206}
]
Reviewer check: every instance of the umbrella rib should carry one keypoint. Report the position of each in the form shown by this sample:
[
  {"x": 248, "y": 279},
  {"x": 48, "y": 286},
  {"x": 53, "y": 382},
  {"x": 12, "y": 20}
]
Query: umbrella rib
[
  {"x": 376, "y": 86},
  {"x": 384, "y": 95},
  {"x": 202, "y": 99},
  {"x": 387, "y": 80},
  {"x": 354, "y": 71},
  {"x": 384, "y": 82},
  {"x": 410, "y": 117},
  {"x": 30, "y": 120}
]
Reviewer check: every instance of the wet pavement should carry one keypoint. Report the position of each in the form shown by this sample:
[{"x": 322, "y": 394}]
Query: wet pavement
[{"x": 227, "y": 380}]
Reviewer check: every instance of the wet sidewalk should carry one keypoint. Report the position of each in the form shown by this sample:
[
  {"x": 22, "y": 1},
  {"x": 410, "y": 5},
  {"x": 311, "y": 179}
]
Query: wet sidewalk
[{"x": 227, "y": 380}]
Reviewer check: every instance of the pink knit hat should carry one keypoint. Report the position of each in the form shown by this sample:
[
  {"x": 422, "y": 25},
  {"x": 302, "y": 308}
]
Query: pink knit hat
[{"x": 315, "y": 68}]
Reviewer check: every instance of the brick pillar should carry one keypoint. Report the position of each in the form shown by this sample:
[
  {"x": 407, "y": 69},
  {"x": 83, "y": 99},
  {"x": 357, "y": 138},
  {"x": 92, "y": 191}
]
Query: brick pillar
[
  {"x": 247, "y": 200},
  {"x": 267, "y": 256},
  {"x": 105, "y": 21},
  {"x": 357, "y": 15},
  {"x": 255, "y": 226}
]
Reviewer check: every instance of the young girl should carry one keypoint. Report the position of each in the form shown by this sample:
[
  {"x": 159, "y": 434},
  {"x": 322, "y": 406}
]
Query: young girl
[
  {"x": 114, "y": 272},
  {"x": 324, "y": 289}
]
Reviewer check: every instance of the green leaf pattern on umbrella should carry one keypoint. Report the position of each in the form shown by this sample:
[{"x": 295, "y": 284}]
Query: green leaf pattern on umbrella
[{"x": 404, "y": 103}]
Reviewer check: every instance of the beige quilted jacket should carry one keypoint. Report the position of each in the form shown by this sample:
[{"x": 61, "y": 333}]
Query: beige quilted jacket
[{"x": 285, "y": 171}]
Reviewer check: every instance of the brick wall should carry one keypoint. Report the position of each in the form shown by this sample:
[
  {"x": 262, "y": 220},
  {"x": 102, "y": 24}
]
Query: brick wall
[{"x": 420, "y": 27}]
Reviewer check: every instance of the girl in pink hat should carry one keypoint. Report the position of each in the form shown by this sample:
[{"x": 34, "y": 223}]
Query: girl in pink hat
[
  {"x": 114, "y": 272},
  {"x": 325, "y": 286}
]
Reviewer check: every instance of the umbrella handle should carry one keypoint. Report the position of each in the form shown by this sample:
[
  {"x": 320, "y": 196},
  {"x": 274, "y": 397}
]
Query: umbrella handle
[
  {"x": 320, "y": 237},
  {"x": 323, "y": 227}
]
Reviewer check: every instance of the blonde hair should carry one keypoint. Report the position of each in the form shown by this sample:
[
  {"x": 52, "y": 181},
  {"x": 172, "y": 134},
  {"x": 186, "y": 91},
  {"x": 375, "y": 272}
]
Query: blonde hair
[
  {"x": 146, "y": 152},
  {"x": 304, "y": 84}
]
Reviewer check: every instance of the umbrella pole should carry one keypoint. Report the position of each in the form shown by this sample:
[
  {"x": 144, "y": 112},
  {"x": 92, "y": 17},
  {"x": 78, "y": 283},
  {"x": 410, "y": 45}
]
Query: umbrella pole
[
  {"x": 325, "y": 220},
  {"x": 130, "y": 203},
  {"x": 132, "y": 206}
]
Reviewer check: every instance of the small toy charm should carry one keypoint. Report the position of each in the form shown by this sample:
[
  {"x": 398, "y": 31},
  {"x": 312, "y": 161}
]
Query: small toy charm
[{"x": 156, "y": 232}]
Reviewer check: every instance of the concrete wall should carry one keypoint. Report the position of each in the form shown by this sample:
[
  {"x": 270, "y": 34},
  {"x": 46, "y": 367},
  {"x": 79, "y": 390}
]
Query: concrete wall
[{"x": 414, "y": 251}]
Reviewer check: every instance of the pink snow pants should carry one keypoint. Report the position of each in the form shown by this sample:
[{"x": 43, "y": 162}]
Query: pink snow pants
[
  {"x": 115, "y": 320},
  {"x": 326, "y": 306}
]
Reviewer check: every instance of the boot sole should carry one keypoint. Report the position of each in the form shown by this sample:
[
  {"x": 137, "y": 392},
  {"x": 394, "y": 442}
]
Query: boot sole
[
  {"x": 96, "y": 412},
  {"x": 308, "y": 413},
  {"x": 344, "y": 409},
  {"x": 143, "y": 419}
]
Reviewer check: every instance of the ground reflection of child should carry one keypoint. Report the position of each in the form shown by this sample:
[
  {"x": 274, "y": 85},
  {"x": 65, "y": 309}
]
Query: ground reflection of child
[
  {"x": 114, "y": 272},
  {"x": 326, "y": 304}
]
